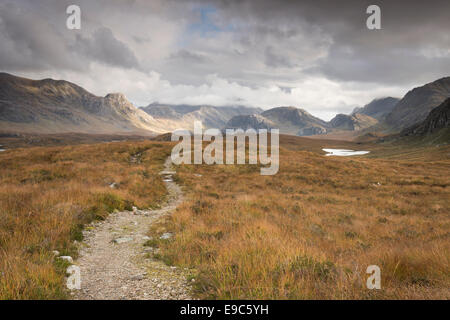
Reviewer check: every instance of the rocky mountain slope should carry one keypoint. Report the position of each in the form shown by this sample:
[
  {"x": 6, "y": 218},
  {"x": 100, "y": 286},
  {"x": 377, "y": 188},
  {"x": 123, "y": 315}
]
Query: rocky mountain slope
[
  {"x": 183, "y": 116},
  {"x": 437, "y": 119},
  {"x": 377, "y": 108},
  {"x": 56, "y": 106},
  {"x": 417, "y": 103}
]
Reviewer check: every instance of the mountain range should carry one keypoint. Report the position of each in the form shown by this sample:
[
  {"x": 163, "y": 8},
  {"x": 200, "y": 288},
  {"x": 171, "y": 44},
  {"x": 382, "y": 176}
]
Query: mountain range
[
  {"x": 386, "y": 115},
  {"x": 58, "y": 106},
  {"x": 296, "y": 121}
]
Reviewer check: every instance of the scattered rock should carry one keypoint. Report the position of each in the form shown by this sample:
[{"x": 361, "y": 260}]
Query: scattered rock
[
  {"x": 113, "y": 185},
  {"x": 66, "y": 258},
  {"x": 167, "y": 172},
  {"x": 55, "y": 253},
  {"x": 138, "y": 277},
  {"x": 166, "y": 236},
  {"x": 73, "y": 282},
  {"x": 376, "y": 184},
  {"x": 122, "y": 240}
]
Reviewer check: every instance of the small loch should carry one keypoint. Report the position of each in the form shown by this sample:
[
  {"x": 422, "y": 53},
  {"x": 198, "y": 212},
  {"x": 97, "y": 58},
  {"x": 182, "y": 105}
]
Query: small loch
[{"x": 344, "y": 152}]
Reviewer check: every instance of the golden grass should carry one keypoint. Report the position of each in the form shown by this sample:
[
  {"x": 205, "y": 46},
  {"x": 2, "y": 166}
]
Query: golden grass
[
  {"x": 48, "y": 193},
  {"x": 310, "y": 231}
]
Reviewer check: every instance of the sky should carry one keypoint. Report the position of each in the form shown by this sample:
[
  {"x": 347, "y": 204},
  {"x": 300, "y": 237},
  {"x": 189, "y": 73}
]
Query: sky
[{"x": 316, "y": 55}]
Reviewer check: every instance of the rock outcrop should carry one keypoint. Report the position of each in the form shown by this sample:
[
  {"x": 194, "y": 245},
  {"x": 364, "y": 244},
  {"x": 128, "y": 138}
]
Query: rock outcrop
[{"x": 438, "y": 118}]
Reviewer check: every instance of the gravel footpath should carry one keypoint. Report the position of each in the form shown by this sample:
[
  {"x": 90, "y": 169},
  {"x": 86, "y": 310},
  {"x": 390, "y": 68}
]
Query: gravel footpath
[{"x": 115, "y": 264}]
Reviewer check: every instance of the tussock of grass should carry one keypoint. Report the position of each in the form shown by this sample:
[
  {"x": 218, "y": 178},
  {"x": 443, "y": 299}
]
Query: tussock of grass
[{"x": 47, "y": 195}]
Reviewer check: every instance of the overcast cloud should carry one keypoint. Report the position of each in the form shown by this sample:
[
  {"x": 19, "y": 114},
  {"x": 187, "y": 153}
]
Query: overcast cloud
[{"x": 317, "y": 55}]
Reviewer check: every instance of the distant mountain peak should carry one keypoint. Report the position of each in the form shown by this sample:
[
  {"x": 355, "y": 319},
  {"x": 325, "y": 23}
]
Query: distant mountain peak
[
  {"x": 353, "y": 122},
  {"x": 116, "y": 96},
  {"x": 293, "y": 115},
  {"x": 118, "y": 99},
  {"x": 289, "y": 119}
]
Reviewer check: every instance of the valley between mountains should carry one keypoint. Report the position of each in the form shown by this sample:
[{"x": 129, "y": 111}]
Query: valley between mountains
[{"x": 87, "y": 177}]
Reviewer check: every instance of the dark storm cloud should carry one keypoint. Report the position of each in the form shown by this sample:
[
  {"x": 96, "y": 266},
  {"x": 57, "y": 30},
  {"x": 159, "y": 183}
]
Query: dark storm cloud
[
  {"x": 319, "y": 37},
  {"x": 104, "y": 47},
  {"x": 412, "y": 32},
  {"x": 35, "y": 38},
  {"x": 389, "y": 67},
  {"x": 214, "y": 51},
  {"x": 276, "y": 60},
  {"x": 28, "y": 42}
]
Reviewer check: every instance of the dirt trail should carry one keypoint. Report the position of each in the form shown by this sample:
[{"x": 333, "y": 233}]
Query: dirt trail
[{"x": 114, "y": 264}]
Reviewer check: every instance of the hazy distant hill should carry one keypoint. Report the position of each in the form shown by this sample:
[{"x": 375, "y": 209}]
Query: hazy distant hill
[
  {"x": 417, "y": 103},
  {"x": 254, "y": 121},
  {"x": 183, "y": 116},
  {"x": 290, "y": 120},
  {"x": 353, "y": 122},
  {"x": 56, "y": 106},
  {"x": 296, "y": 121}
]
